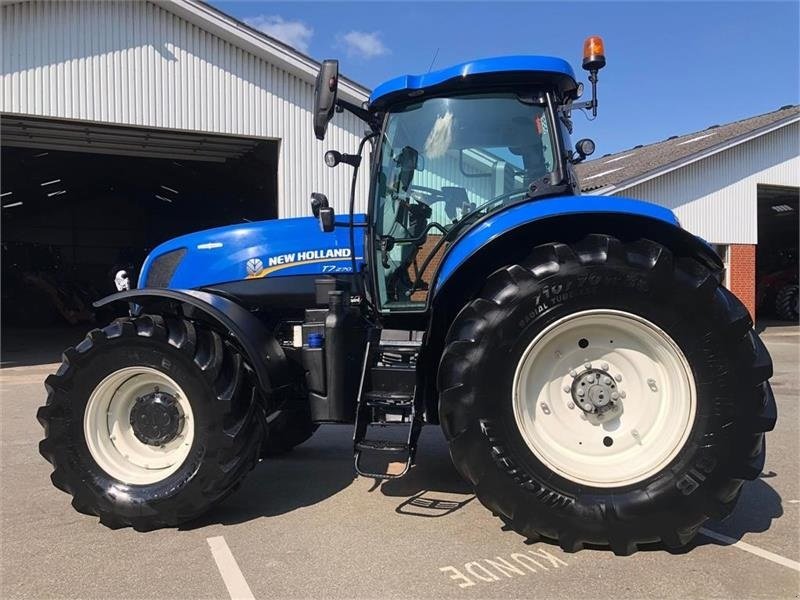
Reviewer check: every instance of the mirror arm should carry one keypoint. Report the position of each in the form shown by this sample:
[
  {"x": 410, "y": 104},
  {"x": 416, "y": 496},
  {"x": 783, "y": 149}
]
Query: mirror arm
[
  {"x": 568, "y": 107},
  {"x": 360, "y": 112}
]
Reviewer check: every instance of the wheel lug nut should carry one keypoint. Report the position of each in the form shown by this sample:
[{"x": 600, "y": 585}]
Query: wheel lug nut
[
  {"x": 604, "y": 366},
  {"x": 607, "y": 380},
  {"x": 622, "y": 394},
  {"x": 573, "y": 373},
  {"x": 614, "y": 395},
  {"x": 581, "y": 392},
  {"x": 566, "y": 389},
  {"x": 618, "y": 377},
  {"x": 587, "y": 366},
  {"x": 570, "y": 405}
]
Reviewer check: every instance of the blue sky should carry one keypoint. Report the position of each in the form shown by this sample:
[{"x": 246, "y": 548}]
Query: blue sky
[{"x": 673, "y": 67}]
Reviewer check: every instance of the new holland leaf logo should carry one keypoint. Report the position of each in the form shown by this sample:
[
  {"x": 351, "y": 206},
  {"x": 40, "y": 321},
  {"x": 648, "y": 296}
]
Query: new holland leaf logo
[{"x": 254, "y": 266}]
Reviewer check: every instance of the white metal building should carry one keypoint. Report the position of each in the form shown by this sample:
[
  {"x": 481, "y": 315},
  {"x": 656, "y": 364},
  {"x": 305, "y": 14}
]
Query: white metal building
[
  {"x": 735, "y": 185},
  {"x": 168, "y": 67}
]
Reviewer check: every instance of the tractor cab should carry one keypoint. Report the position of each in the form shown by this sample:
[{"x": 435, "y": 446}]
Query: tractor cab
[{"x": 449, "y": 148}]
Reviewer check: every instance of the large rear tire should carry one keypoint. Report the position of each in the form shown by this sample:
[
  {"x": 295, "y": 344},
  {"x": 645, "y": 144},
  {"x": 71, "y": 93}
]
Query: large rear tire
[
  {"x": 658, "y": 333},
  {"x": 149, "y": 422}
]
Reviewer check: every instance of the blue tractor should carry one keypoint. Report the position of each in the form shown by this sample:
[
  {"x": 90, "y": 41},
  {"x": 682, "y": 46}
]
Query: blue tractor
[{"x": 594, "y": 380}]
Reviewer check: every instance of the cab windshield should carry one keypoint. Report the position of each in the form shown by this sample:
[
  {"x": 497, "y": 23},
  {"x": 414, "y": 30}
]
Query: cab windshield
[{"x": 444, "y": 163}]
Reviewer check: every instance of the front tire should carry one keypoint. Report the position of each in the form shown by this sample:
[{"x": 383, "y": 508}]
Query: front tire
[
  {"x": 149, "y": 422},
  {"x": 689, "y": 430}
]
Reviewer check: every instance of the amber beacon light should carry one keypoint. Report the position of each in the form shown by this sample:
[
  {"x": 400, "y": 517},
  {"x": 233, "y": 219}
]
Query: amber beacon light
[{"x": 594, "y": 56}]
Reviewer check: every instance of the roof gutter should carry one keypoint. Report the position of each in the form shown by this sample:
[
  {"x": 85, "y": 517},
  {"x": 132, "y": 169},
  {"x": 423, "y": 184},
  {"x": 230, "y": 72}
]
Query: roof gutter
[
  {"x": 245, "y": 37},
  {"x": 669, "y": 167}
]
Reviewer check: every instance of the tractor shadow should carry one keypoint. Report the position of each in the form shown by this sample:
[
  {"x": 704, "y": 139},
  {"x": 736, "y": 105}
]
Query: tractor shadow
[
  {"x": 432, "y": 488},
  {"x": 759, "y": 505},
  {"x": 323, "y": 467},
  {"x": 309, "y": 474}
]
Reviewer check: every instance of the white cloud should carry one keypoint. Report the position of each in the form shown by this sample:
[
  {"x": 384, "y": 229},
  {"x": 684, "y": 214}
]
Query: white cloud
[
  {"x": 363, "y": 44},
  {"x": 294, "y": 33}
]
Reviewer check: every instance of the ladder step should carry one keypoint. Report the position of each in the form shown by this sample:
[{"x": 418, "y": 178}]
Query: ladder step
[
  {"x": 395, "y": 344},
  {"x": 381, "y": 446},
  {"x": 388, "y": 399}
]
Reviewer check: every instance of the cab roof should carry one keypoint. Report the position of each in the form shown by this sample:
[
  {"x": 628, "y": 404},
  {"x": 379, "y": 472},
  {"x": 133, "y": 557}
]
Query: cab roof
[{"x": 500, "y": 70}]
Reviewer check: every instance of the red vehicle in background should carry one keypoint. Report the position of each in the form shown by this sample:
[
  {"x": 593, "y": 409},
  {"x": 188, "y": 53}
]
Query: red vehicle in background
[{"x": 777, "y": 291}]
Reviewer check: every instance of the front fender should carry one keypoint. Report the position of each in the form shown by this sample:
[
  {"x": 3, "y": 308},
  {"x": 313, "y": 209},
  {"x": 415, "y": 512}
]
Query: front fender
[
  {"x": 260, "y": 348},
  {"x": 503, "y": 222}
]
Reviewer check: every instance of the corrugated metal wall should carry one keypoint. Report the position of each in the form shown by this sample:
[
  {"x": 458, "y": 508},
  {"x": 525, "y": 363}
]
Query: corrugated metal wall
[
  {"x": 135, "y": 63},
  {"x": 715, "y": 198}
]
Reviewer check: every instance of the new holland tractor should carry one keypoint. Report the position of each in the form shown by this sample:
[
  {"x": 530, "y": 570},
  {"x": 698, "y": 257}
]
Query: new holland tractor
[{"x": 595, "y": 382}]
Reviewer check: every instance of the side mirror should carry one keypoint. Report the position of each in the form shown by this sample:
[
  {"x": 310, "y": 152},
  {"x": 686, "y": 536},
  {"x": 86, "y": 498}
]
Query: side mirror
[
  {"x": 325, "y": 90},
  {"x": 318, "y": 202},
  {"x": 327, "y": 219},
  {"x": 584, "y": 148}
]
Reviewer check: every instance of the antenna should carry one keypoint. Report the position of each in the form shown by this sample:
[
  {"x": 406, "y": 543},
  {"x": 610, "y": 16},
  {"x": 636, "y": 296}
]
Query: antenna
[{"x": 435, "y": 54}]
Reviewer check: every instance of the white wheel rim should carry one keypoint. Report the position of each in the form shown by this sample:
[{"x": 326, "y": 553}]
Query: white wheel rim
[
  {"x": 109, "y": 434},
  {"x": 655, "y": 412}
]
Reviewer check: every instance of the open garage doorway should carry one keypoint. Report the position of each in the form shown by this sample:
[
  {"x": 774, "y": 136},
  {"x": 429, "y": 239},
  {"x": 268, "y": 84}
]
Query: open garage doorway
[
  {"x": 82, "y": 200},
  {"x": 777, "y": 253}
]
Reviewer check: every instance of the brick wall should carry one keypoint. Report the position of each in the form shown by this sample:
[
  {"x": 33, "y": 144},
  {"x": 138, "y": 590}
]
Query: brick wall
[{"x": 742, "y": 277}]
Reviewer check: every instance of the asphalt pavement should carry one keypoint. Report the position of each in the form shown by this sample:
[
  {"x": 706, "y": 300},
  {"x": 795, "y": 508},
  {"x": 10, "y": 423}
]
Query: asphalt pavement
[{"x": 302, "y": 526}]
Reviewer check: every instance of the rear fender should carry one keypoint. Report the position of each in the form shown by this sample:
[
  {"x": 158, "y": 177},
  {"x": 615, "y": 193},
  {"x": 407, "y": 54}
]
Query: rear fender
[
  {"x": 230, "y": 319},
  {"x": 557, "y": 217}
]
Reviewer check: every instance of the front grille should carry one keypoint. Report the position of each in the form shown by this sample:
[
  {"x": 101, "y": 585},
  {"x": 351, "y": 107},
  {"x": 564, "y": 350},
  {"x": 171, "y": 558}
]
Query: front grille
[{"x": 163, "y": 267}]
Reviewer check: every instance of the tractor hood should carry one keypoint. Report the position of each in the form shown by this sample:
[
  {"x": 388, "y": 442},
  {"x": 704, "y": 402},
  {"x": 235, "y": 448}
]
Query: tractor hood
[{"x": 273, "y": 248}]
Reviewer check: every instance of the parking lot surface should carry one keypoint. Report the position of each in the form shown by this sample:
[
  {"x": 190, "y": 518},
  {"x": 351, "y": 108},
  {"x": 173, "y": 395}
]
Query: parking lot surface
[{"x": 303, "y": 526}]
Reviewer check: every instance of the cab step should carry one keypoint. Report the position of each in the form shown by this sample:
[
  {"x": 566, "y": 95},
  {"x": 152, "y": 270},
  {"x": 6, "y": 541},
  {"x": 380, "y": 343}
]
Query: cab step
[
  {"x": 387, "y": 397},
  {"x": 382, "y": 446}
]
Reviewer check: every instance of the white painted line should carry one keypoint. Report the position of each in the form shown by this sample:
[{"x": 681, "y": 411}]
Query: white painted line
[
  {"x": 776, "y": 558},
  {"x": 231, "y": 574}
]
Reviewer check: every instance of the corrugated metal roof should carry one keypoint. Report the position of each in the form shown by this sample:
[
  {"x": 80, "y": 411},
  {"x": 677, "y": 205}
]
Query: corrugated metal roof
[{"x": 639, "y": 163}]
